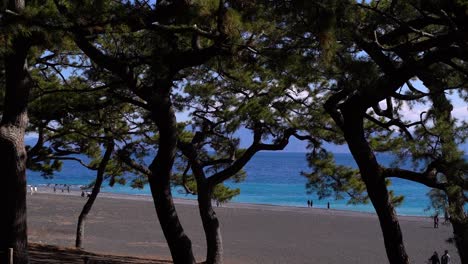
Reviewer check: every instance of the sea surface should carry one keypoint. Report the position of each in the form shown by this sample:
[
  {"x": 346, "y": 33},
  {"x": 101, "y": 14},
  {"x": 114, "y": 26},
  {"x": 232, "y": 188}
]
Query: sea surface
[{"x": 273, "y": 178}]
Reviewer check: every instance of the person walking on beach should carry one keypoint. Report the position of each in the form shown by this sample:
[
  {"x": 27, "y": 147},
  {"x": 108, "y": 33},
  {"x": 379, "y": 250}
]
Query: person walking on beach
[
  {"x": 308, "y": 203},
  {"x": 436, "y": 220},
  {"x": 328, "y": 205},
  {"x": 68, "y": 188},
  {"x": 311, "y": 203},
  {"x": 434, "y": 258},
  {"x": 445, "y": 259},
  {"x": 446, "y": 217}
]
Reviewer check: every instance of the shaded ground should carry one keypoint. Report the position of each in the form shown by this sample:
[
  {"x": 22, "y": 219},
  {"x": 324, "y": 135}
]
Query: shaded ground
[{"x": 42, "y": 254}]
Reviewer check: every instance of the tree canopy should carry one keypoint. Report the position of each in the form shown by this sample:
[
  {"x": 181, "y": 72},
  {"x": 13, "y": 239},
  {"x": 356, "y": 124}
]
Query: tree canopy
[{"x": 105, "y": 79}]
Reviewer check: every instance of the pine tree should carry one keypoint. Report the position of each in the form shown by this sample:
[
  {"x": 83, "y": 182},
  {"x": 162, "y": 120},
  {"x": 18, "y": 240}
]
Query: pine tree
[
  {"x": 394, "y": 45},
  {"x": 376, "y": 48},
  {"x": 179, "y": 35},
  {"x": 19, "y": 40}
]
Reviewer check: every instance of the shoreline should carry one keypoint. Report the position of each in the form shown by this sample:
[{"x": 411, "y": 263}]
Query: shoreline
[{"x": 237, "y": 205}]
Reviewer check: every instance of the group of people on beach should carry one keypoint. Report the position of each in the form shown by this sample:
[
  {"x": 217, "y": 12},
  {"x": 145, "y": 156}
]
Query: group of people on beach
[
  {"x": 63, "y": 187},
  {"x": 67, "y": 187},
  {"x": 434, "y": 259},
  {"x": 32, "y": 189},
  {"x": 310, "y": 203}
]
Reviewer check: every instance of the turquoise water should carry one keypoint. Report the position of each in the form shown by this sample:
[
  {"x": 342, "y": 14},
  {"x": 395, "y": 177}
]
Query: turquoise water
[{"x": 272, "y": 178}]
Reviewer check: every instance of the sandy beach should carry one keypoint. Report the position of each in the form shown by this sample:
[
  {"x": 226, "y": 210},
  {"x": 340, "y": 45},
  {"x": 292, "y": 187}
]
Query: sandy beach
[{"x": 127, "y": 225}]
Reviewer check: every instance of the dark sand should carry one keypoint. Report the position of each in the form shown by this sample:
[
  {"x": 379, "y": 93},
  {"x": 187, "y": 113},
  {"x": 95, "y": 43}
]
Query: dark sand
[
  {"x": 47, "y": 254},
  {"x": 128, "y": 226}
]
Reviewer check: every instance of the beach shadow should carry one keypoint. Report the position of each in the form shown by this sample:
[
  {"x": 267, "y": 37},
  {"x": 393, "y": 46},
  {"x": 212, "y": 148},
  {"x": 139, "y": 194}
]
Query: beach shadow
[
  {"x": 42, "y": 254},
  {"x": 450, "y": 240}
]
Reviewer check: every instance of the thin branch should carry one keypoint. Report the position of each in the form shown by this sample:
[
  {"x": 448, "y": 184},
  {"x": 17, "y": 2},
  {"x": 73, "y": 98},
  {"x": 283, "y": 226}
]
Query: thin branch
[
  {"x": 184, "y": 179},
  {"x": 133, "y": 164},
  {"x": 185, "y": 29},
  {"x": 54, "y": 157},
  {"x": 215, "y": 162}
]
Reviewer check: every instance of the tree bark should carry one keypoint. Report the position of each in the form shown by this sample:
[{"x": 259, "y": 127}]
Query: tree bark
[
  {"x": 211, "y": 227},
  {"x": 162, "y": 113},
  {"x": 374, "y": 180},
  {"x": 94, "y": 193},
  {"x": 13, "y": 225},
  {"x": 214, "y": 242}
]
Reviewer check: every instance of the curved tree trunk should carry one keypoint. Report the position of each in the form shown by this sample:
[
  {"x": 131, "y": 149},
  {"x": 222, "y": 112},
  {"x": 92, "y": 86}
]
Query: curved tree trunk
[
  {"x": 214, "y": 242},
  {"x": 161, "y": 169},
  {"x": 371, "y": 174},
  {"x": 13, "y": 226},
  {"x": 94, "y": 193}
]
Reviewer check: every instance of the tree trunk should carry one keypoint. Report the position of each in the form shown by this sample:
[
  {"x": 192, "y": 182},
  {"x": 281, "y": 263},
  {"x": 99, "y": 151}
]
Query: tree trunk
[
  {"x": 94, "y": 193},
  {"x": 161, "y": 169},
  {"x": 13, "y": 226},
  {"x": 459, "y": 222},
  {"x": 214, "y": 242},
  {"x": 443, "y": 119},
  {"x": 371, "y": 174}
]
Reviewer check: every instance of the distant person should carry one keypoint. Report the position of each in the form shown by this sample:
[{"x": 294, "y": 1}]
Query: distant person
[
  {"x": 445, "y": 259},
  {"x": 434, "y": 258},
  {"x": 446, "y": 217},
  {"x": 308, "y": 203},
  {"x": 436, "y": 221},
  {"x": 311, "y": 203},
  {"x": 35, "y": 188},
  {"x": 68, "y": 188},
  {"x": 82, "y": 194},
  {"x": 328, "y": 205}
]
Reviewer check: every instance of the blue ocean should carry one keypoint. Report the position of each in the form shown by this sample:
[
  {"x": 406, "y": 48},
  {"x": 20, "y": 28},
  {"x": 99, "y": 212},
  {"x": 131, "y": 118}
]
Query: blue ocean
[{"x": 273, "y": 178}]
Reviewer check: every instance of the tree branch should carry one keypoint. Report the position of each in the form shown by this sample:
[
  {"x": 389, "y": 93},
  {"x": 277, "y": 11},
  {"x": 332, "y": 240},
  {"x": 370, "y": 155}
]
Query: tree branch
[
  {"x": 428, "y": 177},
  {"x": 255, "y": 147},
  {"x": 186, "y": 29},
  {"x": 125, "y": 158}
]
